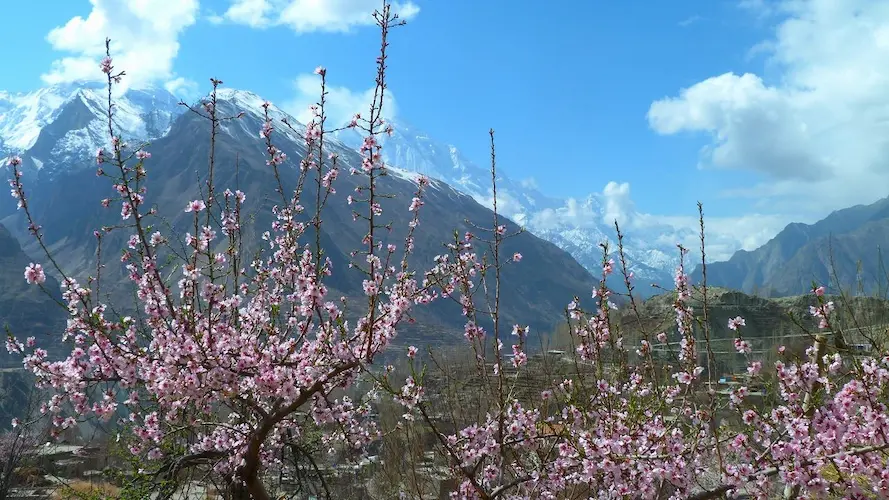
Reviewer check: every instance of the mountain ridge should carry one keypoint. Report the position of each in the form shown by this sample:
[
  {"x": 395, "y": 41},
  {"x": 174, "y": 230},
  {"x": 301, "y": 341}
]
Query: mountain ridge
[
  {"x": 824, "y": 252},
  {"x": 414, "y": 150},
  {"x": 66, "y": 123},
  {"x": 67, "y": 206},
  {"x": 61, "y": 142},
  {"x": 409, "y": 149}
]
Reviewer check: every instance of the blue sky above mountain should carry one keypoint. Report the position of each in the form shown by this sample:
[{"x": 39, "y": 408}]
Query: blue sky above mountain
[{"x": 767, "y": 111}]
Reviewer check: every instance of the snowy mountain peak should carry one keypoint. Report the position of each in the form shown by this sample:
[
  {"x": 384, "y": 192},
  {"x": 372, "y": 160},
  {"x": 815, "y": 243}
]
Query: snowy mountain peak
[
  {"x": 232, "y": 102},
  {"x": 251, "y": 103},
  {"x": 61, "y": 125},
  {"x": 24, "y": 115},
  {"x": 574, "y": 224},
  {"x": 245, "y": 99}
]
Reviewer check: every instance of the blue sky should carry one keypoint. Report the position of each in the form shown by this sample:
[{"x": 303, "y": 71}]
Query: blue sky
[{"x": 581, "y": 95}]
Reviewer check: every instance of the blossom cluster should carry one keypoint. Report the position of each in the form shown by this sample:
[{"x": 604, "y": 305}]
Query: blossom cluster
[
  {"x": 629, "y": 434},
  {"x": 231, "y": 353}
]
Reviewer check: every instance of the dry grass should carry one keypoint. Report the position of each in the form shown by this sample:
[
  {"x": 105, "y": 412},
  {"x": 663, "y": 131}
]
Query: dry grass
[{"x": 79, "y": 489}]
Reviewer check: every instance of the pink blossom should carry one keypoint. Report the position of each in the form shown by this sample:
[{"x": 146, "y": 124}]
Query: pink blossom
[
  {"x": 34, "y": 274},
  {"x": 736, "y": 322},
  {"x": 195, "y": 206},
  {"x": 742, "y": 346},
  {"x": 105, "y": 65}
]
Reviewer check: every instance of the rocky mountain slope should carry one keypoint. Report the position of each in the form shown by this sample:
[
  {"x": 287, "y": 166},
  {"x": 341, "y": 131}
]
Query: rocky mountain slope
[
  {"x": 61, "y": 126},
  {"x": 26, "y": 310},
  {"x": 842, "y": 249},
  {"x": 67, "y": 205},
  {"x": 550, "y": 218}
]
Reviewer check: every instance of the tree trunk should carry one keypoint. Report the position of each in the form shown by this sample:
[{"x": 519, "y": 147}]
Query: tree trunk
[
  {"x": 256, "y": 489},
  {"x": 238, "y": 490}
]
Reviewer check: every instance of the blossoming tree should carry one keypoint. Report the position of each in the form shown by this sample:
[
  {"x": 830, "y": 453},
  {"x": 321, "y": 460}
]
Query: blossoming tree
[
  {"x": 232, "y": 361},
  {"x": 226, "y": 363},
  {"x": 633, "y": 426}
]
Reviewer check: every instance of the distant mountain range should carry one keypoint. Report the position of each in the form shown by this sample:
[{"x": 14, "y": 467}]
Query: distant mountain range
[
  {"x": 60, "y": 126},
  {"x": 58, "y": 129},
  {"x": 58, "y": 158},
  {"x": 543, "y": 215},
  {"x": 845, "y": 248}
]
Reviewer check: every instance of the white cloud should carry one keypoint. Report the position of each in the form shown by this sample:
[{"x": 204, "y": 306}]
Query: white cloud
[
  {"x": 144, "y": 35},
  {"x": 688, "y": 21},
  {"x": 305, "y": 16},
  {"x": 819, "y": 132},
  {"x": 250, "y": 12},
  {"x": 529, "y": 183},
  {"x": 182, "y": 87},
  {"x": 341, "y": 102},
  {"x": 617, "y": 204},
  {"x": 214, "y": 18},
  {"x": 574, "y": 213},
  {"x": 724, "y": 235},
  {"x": 507, "y": 205}
]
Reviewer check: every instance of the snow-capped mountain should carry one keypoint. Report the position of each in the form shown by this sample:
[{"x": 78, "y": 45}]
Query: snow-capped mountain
[
  {"x": 68, "y": 209},
  {"x": 415, "y": 151},
  {"x": 62, "y": 125},
  {"x": 577, "y": 226}
]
